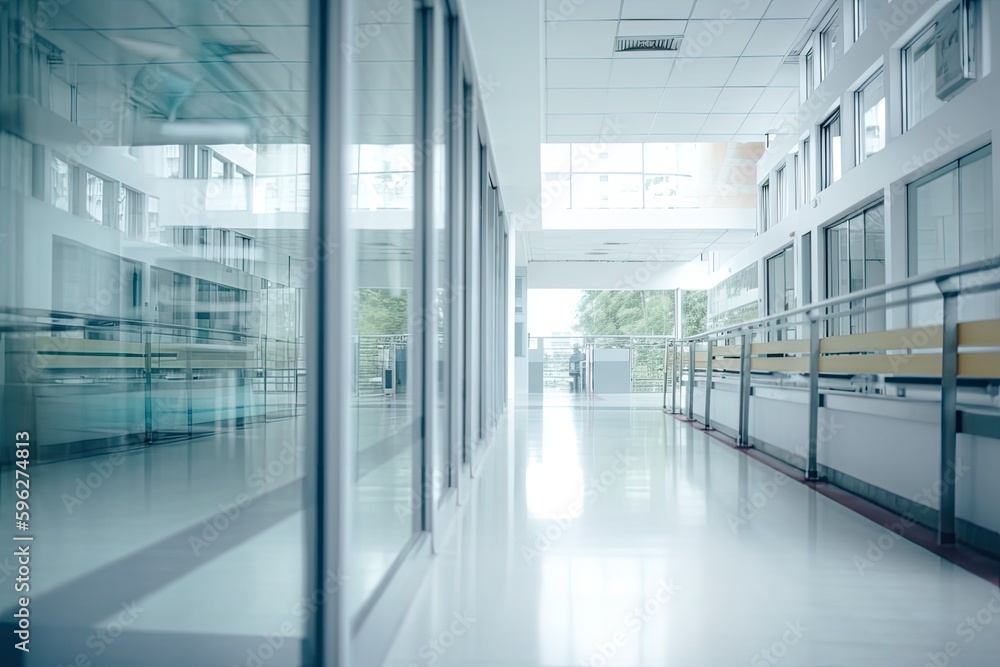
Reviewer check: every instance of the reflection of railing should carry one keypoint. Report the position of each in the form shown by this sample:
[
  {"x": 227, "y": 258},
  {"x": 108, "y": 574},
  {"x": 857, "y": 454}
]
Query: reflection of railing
[
  {"x": 932, "y": 356},
  {"x": 84, "y": 384}
]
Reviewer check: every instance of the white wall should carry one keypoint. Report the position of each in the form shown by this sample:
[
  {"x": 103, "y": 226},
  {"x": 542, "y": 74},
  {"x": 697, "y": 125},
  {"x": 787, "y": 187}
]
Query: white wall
[{"x": 652, "y": 275}]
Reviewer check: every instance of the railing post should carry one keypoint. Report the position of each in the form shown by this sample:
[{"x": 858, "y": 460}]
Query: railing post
[
  {"x": 746, "y": 351},
  {"x": 949, "y": 416},
  {"x": 812, "y": 470},
  {"x": 708, "y": 385},
  {"x": 675, "y": 374},
  {"x": 690, "y": 396},
  {"x": 148, "y": 400}
]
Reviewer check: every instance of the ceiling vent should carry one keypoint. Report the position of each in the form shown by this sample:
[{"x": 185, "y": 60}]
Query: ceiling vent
[{"x": 632, "y": 44}]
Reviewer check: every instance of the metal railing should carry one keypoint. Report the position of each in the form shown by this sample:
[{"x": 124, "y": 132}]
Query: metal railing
[
  {"x": 942, "y": 349},
  {"x": 89, "y": 382}
]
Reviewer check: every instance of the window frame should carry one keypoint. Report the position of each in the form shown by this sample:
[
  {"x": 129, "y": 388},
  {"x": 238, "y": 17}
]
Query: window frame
[
  {"x": 764, "y": 205},
  {"x": 825, "y": 64},
  {"x": 827, "y": 163},
  {"x": 861, "y": 135}
]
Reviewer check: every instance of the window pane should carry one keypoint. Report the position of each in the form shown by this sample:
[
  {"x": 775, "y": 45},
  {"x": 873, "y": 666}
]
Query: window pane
[
  {"x": 832, "y": 44},
  {"x": 872, "y": 104},
  {"x": 607, "y": 190},
  {"x": 921, "y": 78},
  {"x": 186, "y": 382},
  {"x": 831, "y": 150},
  {"x": 390, "y": 320},
  {"x": 609, "y": 158}
]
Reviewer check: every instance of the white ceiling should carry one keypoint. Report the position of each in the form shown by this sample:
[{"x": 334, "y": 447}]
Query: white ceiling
[
  {"x": 630, "y": 245},
  {"x": 728, "y": 82}
]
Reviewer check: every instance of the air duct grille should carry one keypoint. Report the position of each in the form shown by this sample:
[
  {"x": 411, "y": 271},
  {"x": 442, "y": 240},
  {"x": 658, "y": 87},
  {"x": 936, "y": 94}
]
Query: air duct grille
[{"x": 627, "y": 44}]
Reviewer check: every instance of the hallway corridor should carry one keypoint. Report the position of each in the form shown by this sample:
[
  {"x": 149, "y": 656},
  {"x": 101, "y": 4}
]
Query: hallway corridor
[{"x": 625, "y": 537}]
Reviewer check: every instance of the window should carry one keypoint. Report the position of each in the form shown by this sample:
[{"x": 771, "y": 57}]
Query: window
[
  {"x": 856, "y": 261},
  {"x": 796, "y": 179},
  {"x": 810, "y": 73},
  {"x": 806, "y": 172},
  {"x": 870, "y": 103},
  {"x": 866, "y": 12},
  {"x": 131, "y": 212},
  {"x": 830, "y": 151},
  {"x": 204, "y": 162},
  {"x": 735, "y": 300},
  {"x": 831, "y": 42},
  {"x": 94, "y": 205},
  {"x": 60, "y": 184},
  {"x": 765, "y": 206},
  {"x": 950, "y": 218},
  {"x": 781, "y": 192},
  {"x": 153, "y": 218},
  {"x": 780, "y": 276},
  {"x": 807, "y": 268},
  {"x": 920, "y": 72}
]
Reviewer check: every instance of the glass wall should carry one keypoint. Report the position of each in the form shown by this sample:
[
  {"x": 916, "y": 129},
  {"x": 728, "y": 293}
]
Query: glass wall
[
  {"x": 735, "y": 300},
  {"x": 154, "y": 202},
  {"x": 637, "y": 176},
  {"x": 951, "y": 222},
  {"x": 856, "y": 261},
  {"x": 920, "y": 70}
]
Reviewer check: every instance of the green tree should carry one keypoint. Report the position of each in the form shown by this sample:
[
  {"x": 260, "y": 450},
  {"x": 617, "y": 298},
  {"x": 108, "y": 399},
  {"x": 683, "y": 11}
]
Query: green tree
[
  {"x": 639, "y": 313},
  {"x": 381, "y": 314}
]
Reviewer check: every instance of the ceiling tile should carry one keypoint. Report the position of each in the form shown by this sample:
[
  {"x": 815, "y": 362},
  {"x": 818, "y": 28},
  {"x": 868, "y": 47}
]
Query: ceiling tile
[
  {"x": 713, "y": 138},
  {"x": 657, "y": 9},
  {"x": 650, "y": 28},
  {"x": 703, "y": 39},
  {"x": 632, "y": 73},
  {"x": 788, "y": 75},
  {"x": 580, "y": 39},
  {"x": 754, "y": 71},
  {"x": 773, "y": 100},
  {"x": 790, "y": 9},
  {"x": 738, "y": 100},
  {"x": 689, "y": 100},
  {"x": 774, "y": 38},
  {"x": 575, "y": 123},
  {"x": 633, "y": 100},
  {"x": 706, "y": 72},
  {"x": 672, "y": 138},
  {"x": 634, "y": 123},
  {"x": 576, "y": 100},
  {"x": 591, "y": 10},
  {"x": 577, "y": 73},
  {"x": 678, "y": 123},
  {"x": 723, "y": 123},
  {"x": 741, "y": 9},
  {"x": 757, "y": 123}
]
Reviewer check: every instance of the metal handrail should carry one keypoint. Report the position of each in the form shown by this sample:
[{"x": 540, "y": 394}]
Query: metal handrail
[
  {"x": 810, "y": 317},
  {"x": 936, "y": 277}
]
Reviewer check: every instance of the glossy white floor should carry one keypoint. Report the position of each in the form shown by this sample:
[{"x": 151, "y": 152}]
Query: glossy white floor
[{"x": 612, "y": 537}]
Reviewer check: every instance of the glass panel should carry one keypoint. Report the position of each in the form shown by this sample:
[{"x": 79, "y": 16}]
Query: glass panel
[
  {"x": 608, "y": 158},
  {"x": 443, "y": 175},
  {"x": 979, "y": 236},
  {"x": 832, "y": 155},
  {"x": 832, "y": 44},
  {"x": 735, "y": 299},
  {"x": 871, "y": 100},
  {"x": 607, "y": 190},
  {"x": 163, "y": 390},
  {"x": 810, "y": 74},
  {"x": 921, "y": 78},
  {"x": 874, "y": 265},
  {"x": 388, "y": 325}
]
